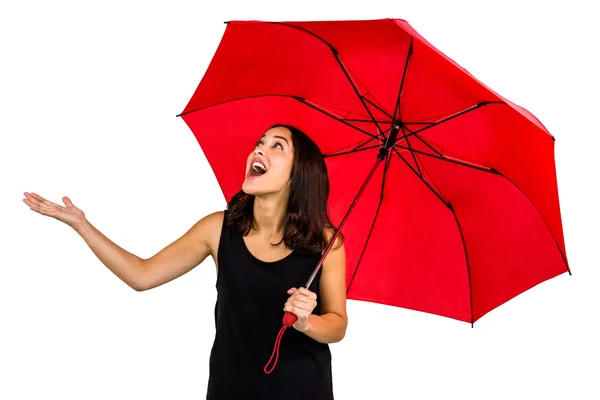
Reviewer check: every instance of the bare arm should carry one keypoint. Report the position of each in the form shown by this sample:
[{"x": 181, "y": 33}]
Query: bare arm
[
  {"x": 175, "y": 260},
  {"x": 330, "y": 326},
  {"x": 178, "y": 258},
  {"x": 122, "y": 263}
]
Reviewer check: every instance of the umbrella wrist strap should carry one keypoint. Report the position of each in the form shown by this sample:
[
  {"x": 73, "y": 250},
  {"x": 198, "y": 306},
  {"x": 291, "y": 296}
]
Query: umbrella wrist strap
[{"x": 275, "y": 351}]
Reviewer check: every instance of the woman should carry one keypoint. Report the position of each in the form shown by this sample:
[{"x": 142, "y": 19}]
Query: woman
[{"x": 265, "y": 246}]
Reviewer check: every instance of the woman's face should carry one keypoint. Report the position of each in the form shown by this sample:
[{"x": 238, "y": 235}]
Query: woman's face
[{"x": 274, "y": 153}]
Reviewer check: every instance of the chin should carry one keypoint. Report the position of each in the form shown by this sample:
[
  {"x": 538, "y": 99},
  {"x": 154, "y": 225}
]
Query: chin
[
  {"x": 259, "y": 188},
  {"x": 251, "y": 188}
]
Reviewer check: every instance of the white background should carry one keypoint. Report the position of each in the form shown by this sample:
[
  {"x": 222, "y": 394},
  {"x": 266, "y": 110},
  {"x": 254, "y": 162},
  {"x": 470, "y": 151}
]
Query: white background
[{"x": 88, "y": 98}]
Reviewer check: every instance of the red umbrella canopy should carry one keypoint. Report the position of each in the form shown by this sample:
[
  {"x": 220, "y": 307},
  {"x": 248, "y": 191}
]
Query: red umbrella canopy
[{"x": 462, "y": 214}]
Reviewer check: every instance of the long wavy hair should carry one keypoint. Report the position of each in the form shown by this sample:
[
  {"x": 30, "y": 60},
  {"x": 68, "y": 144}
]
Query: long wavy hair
[{"x": 307, "y": 216}]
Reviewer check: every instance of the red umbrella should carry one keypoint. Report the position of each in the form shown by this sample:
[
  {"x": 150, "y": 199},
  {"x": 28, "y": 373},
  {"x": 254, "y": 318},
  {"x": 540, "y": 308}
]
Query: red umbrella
[{"x": 458, "y": 209}]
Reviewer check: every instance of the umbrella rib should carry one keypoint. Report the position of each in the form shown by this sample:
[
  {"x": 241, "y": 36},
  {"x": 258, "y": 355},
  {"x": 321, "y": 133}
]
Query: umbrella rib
[
  {"x": 452, "y": 160},
  {"x": 464, "y": 248},
  {"x": 356, "y": 150},
  {"x": 342, "y": 120},
  {"x": 235, "y": 99},
  {"x": 464, "y": 242},
  {"x": 438, "y": 195},
  {"x": 542, "y": 217},
  {"x": 301, "y": 100},
  {"x": 408, "y": 57},
  {"x": 364, "y": 143},
  {"x": 380, "y": 109},
  {"x": 412, "y": 153},
  {"x": 423, "y": 141},
  {"x": 455, "y": 115},
  {"x": 366, "y": 120},
  {"x": 341, "y": 64},
  {"x": 449, "y": 205},
  {"x": 417, "y": 123},
  {"x": 360, "y": 96},
  {"x": 440, "y": 156},
  {"x": 385, "y": 168}
]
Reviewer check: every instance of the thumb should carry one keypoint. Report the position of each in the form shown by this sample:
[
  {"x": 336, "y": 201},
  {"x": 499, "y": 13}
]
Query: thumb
[
  {"x": 291, "y": 291},
  {"x": 67, "y": 201}
]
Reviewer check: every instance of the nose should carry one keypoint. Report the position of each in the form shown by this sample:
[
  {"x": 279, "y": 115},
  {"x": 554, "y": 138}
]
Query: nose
[{"x": 259, "y": 151}]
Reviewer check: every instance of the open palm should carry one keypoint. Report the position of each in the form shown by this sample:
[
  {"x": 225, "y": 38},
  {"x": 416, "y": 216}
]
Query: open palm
[{"x": 70, "y": 214}]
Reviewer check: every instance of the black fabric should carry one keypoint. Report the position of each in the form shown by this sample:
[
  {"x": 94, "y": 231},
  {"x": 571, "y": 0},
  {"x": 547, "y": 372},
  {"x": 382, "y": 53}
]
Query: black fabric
[{"x": 248, "y": 316}]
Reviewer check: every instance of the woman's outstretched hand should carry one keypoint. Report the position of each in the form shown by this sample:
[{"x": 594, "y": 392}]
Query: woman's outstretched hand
[
  {"x": 301, "y": 303},
  {"x": 70, "y": 214}
]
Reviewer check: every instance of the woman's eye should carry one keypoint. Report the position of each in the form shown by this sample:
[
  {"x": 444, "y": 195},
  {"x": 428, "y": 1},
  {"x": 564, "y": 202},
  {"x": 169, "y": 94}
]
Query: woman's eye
[{"x": 276, "y": 144}]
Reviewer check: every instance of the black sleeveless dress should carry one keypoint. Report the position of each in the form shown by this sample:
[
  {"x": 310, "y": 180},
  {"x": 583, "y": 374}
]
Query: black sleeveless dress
[{"x": 248, "y": 316}]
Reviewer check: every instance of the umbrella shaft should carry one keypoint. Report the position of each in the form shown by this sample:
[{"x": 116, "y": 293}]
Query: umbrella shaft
[{"x": 337, "y": 231}]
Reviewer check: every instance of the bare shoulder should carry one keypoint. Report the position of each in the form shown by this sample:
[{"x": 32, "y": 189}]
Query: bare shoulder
[
  {"x": 214, "y": 219},
  {"x": 205, "y": 233},
  {"x": 338, "y": 244}
]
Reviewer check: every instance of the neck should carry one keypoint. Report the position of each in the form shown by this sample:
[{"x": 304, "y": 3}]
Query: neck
[{"x": 269, "y": 215}]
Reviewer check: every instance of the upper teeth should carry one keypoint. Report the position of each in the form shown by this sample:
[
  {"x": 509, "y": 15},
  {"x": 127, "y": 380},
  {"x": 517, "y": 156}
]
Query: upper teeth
[{"x": 259, "y": 165}]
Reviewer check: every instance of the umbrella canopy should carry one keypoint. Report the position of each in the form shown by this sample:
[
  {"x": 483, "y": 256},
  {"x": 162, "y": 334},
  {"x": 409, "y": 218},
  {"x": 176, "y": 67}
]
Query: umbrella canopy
[{"x": 458, "y": 209}]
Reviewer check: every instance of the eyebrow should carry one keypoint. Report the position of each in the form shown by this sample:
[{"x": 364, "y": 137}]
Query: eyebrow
[{"x": 279, "y": 137}]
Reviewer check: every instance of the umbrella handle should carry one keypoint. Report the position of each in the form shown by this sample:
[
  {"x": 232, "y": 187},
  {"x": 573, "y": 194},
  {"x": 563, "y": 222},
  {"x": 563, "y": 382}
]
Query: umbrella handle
[{"x": 289, "y": 319}]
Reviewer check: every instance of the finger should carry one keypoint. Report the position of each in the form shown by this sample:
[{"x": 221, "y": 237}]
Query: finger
[
  {"x": 37, "y": 197},
  {"x": 47, "y": 209},
  {"x": 32, "y": 199},
  {"x": 299, "y": 299},
  {"x": 67, "y": 201},
  {"x": 288, "y": 308},
  {"x": 31, "y": 205},
  {"x": 42, "y": 202},
  {"x": 304, "y": 297},
  {"x": 291, "y": 290},
  {"x": 305, "y": 305},
  {"x": 34, "y": 205},
  {"x": 307, "y": 293},
  {"x": 294, "y": 310}
]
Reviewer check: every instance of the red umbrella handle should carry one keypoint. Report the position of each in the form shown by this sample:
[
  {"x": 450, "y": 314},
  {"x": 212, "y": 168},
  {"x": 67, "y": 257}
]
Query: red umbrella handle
[{"x": 289, "y": 319}]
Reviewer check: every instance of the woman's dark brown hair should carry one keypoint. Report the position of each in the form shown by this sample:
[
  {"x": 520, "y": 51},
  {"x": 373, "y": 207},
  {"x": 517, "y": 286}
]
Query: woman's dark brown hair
[{"x": 307, "y": 216}]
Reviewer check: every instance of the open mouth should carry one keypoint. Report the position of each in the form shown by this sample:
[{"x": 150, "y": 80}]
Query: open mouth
[{"x": 257, "y": 169}]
